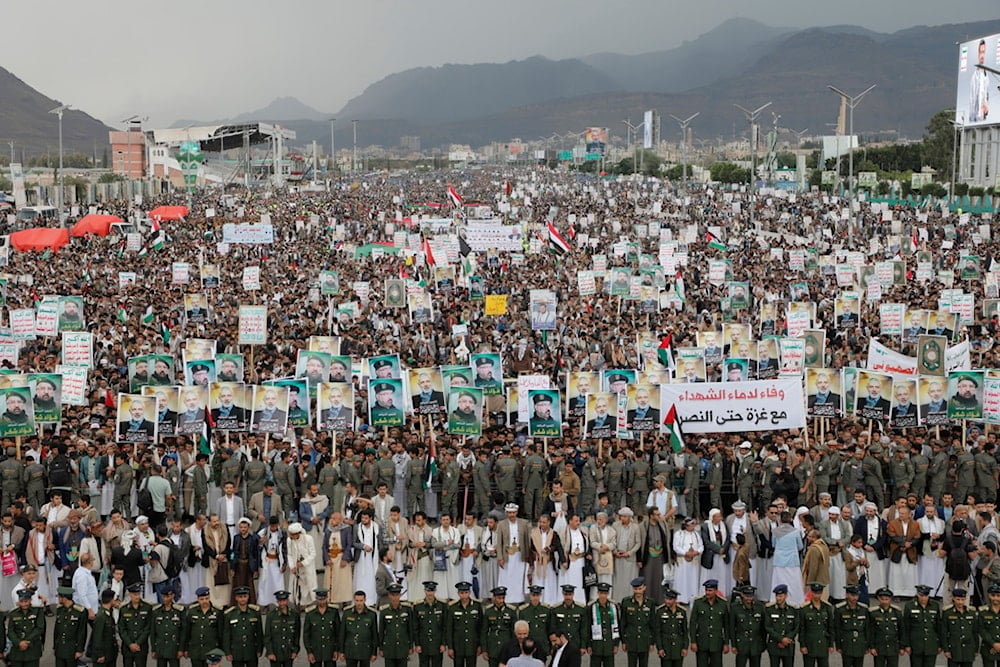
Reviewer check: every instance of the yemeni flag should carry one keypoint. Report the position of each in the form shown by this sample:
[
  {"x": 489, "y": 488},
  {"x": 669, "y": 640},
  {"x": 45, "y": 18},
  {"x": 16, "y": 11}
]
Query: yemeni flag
[
  {"x": 428, "y": 253},
  {"x": 431, "y": 465},
  {"x": 664, "y": 353},
  {"x": 556, "y": 241},
  {"x": 914, "y": 241},
  {"x": 673, "y": 424},
  {"x": 714, "y": 241},
  {"x": 456, "y": 199}
]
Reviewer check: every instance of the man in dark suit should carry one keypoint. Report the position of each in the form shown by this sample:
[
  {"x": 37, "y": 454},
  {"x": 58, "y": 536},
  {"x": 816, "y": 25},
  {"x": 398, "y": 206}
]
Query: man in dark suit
[
  {"x": 904, "y": 406},
  {"x": 601, "y": 420},
  {"x": 823, "y": 395},
  {"x": 166, "y": 417},
  {"x": 337, "y": 412},
  {"x": 269, "y": 414},
  {"x": 136, "y": 428},
  {"x": 426, "y": 394},
  {"x": 643, "y": 411},
  {"x": 937, "y": 404},
  {"x": 564, "y": 652},
  {"x": 228, "y": 411},
  {"x": 874, "y": 400},
  {"x": 194, "y": 413}
]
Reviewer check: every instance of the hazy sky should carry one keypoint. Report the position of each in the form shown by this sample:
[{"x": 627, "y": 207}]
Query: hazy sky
[{"x": 218, "y": 58}]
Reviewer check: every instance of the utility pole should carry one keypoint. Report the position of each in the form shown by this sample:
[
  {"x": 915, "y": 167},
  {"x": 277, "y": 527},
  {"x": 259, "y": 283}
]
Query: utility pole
[
  {"x": 354, "y": 157},
  {"x": 58, "y": 111},
  {"x": 752, "y": 120},
  {"x": 684, "y": 126},
  {"x": 851, "y": 103}
]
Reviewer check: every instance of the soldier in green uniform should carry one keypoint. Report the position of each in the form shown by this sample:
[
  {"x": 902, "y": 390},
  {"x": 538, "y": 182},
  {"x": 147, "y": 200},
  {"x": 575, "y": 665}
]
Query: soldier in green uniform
[
  {"x": 505, "y": 473},
  {"x": 463, "y": 627},
  {"x": 605, "y": 623},
  {"x": 571, "y": 618},
  {"x": 885, "y": 630},
  {"x": 450, "y": 474},
  {"x": 747, "y": 630},
  {"x": 638, "y": 624},
  {"x": 816, "y": 629},
  {"x": 69, "y": 636},
  {"x": 104, "y": 640},
  {"x": 133, "y": 628},
  {"x": 25, "y": 632},
  {"x": 922, "y": 628},
  {"x": 989, "y": 627},
  {"x": 781, "y": 622},
  {"x": 536, "y": 615},
  {"x": 284, "y": 627},
  {"x": 359, "y": 633},
  {"x": 614, "y": 476},
  {"x": 671, "y": 631},
  {"x": 850, "y": 622},
  {"x": 243, "y": 631},
  {"x": 320, "y": 630},
  {"x": 958, "y": 630},
  {"x": 429, "y": 616},
  {"x": 166, "y": 630},
  {"x": 254, "y": 475},
  {"x": 202, "y": 628},
  {"x": 709, "y": 627},
  {"x": 11, "y": 477},
  {"x": 498, "y": 626},
  {"x": 396, "y": 629},
  {"x": 534, "y": 483}
]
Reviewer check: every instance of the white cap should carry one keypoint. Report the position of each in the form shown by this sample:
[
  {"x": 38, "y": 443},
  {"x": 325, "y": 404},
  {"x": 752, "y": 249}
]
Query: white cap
[{"x": 294, "y": 528}]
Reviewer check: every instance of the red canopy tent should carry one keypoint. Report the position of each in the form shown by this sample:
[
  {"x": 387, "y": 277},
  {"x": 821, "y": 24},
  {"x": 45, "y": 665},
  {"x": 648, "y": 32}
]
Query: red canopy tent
[
  {"x": 94, "y": 224},
  {"x": 169, "y": 213},
  {"x": 40, "y": 238}
]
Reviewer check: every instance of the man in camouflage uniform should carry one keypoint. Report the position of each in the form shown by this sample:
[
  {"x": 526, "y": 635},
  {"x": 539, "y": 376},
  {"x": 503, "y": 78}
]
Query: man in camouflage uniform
[{"x": 534, "y": 486}]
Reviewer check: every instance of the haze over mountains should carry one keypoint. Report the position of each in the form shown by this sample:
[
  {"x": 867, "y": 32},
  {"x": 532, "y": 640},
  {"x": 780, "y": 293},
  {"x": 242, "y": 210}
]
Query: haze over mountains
[{"x": 739, "y": 62}]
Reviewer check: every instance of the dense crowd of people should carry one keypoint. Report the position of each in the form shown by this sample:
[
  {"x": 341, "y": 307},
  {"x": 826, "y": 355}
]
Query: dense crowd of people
[{"x": 365, "y": 541}]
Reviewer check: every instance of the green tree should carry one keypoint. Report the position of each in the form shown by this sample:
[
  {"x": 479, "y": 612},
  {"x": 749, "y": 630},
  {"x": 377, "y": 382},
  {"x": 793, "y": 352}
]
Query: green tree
[
  {"x": 939, "y": 143},
  {"x": 727, "y": 172}
]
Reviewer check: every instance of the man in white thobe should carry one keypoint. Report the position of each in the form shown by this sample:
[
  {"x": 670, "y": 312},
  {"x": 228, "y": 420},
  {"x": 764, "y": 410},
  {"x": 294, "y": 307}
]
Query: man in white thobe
[
  {"x": 513, "y": 536},
  {"x": 301, "y": 565}
]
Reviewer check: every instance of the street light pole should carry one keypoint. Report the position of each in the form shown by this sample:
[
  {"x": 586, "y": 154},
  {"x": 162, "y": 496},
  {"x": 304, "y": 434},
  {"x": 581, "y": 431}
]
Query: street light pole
[
  {"x": 752, "y": 120},
  {"x": 354, "y": 158},
  {"x": 851, "y": 103},
  {"x": 333, "y": 148},
  {"x": 58, "y": 111},
  {"x": 684, "y": 126}
]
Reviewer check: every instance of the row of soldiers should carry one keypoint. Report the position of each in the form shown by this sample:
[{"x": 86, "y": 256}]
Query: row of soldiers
[{"x": 465, "y": 629}]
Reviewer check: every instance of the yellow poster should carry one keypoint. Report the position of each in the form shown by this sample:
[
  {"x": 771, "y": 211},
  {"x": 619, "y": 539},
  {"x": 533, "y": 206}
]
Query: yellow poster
[{"x": 496, "y": 304}]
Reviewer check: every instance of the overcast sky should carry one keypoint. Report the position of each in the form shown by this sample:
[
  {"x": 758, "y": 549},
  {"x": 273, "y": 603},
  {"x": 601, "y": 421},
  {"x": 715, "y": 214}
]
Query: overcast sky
[{"x": 211, "y": 59}]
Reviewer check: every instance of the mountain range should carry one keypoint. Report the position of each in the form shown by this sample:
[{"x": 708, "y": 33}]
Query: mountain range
[{"x": 741, "y": 61}]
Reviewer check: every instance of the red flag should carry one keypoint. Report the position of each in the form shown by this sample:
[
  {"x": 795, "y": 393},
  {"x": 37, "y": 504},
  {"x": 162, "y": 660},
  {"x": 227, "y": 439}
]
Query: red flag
[
  {"x": 456, "y": 199},
  {"x": 426, "y": 247},
  {"x": 109, "y": 399},
  {"x": 508, "y": 188}
]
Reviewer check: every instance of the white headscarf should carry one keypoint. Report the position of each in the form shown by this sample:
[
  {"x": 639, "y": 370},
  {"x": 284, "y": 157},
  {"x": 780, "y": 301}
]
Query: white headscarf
[{"x": 721, "y": 526}]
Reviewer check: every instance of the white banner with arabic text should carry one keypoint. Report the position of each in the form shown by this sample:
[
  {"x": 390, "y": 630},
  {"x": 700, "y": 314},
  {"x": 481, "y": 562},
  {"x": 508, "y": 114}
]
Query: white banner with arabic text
[{"x": 736, "y": 407}]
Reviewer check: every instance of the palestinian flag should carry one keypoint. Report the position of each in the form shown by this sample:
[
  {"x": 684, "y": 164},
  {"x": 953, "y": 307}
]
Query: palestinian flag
[
  {"x": 556, "y": 241},
  {"x": 122, "y": 315},
  {"x": 664, "y": 353},
  {"x": 714, "y": 241},
  {"x": 147, "y": 317},
  {"x": 679, "y": 286},
  {"x": 165, "y": 333},
  {"x": 431, "y": 465},
  {"x": 456, "y": 199},
  {"x": 673, "y": 424},
  {"x": 428, "y": 254}
]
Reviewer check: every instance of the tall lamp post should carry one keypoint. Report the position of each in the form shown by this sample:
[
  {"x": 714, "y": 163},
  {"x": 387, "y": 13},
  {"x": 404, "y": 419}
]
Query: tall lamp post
[
  {"x": 684, "y": 144},
  {"x": 354, "y": 157},
  {"x": 752, "y": 120},
  {"x": 333, "y": 148},
  {"x": 851, "y": 103},
  {"x": 58, "y": 111}
]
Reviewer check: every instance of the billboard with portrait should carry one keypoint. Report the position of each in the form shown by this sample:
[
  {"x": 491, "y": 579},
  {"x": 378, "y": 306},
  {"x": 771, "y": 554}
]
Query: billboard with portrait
[{"x": 977, "y": 101}]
